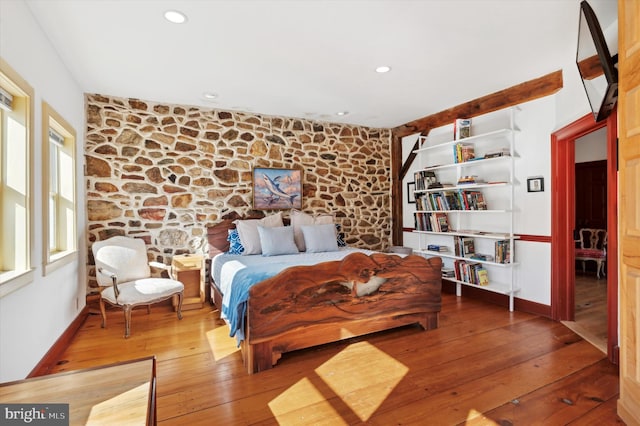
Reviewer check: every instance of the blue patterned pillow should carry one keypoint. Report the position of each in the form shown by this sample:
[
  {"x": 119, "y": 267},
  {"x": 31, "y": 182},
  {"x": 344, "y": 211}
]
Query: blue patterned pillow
[
  {"x": 341, "y": 241},
  {"x": 235, "y": 246}
]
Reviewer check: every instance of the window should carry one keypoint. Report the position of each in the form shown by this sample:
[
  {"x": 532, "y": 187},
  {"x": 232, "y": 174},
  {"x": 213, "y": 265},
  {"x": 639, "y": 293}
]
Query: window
[
  {"x": 59, "y": 189},
  {"x": 16, "y": 180}
]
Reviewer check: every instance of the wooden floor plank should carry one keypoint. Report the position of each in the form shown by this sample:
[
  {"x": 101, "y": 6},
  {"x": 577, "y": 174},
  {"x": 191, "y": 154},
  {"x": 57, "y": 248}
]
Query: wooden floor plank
[
  {"x": 468, "y": 371},
  {"x": 559, "y": 403}
]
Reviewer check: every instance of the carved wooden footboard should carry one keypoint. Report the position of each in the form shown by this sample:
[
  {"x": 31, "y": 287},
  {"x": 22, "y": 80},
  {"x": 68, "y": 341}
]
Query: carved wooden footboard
[{"x": 305, "y": 306}]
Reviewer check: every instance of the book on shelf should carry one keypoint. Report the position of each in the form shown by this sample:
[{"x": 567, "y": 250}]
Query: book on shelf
[
  {"x": 439, "y": 185},
  {"x": 451, "y": 200},
  {"x": 461, "y": 128},
  {"x": 470, "y": 272},
  {"x": 502, "y": 152},
  {"x": 448, "y": 273},
  {"x": 475, "y": 200},
  {"x": 483, "y": 277},
  {"x": 463, "y": 152},
  {"x": 468, "y": 247},
  {"x": 464, "y": 246},
  {"x": 503, "y": 251},
  {"x": 424, "y": 178},
  {"x": 437, "y": 247},
  {"x": 485, "y": 257},
  {"x": 442, "y": 222},
  {"x": 432, "y": 222},
  {"x": 467, "y": 180}
]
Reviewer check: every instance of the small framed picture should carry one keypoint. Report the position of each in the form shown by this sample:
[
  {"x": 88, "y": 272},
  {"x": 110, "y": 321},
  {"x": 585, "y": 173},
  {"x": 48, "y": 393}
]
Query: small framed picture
[
  {"x": 535, "y": 184},
  {"x": 411, "y": 186}
]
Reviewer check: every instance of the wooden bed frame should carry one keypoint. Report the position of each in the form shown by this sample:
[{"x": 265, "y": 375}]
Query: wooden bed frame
[{"x": 305, "y": 306}]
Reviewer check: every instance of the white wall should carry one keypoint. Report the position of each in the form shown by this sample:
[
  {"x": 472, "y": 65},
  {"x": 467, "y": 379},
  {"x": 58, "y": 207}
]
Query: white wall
[
  {"x": 592, "y": 146},
  {"x": 33, "y": 317}
]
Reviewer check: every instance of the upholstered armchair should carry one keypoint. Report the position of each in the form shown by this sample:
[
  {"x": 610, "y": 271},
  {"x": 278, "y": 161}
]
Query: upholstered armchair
[
  {"x": 593, "y": 246},
  {"x": 124, "y": 274}
]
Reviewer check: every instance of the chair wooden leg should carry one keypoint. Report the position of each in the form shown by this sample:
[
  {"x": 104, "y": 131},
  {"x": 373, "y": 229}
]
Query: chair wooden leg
[
  {"x": 127, "y": 320},
  {"x": 600, "y": 267},
  {"x": 103, "y": 313},
  {"x": 180, "y": 297}
]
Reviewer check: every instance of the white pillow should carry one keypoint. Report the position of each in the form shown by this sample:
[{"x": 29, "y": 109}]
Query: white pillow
[
  {"x": 248, "y": 231},
  {"x": 277, "y": 240},
  {"x": 299, "y": 219},
  {"x": 319, "y": 238}
]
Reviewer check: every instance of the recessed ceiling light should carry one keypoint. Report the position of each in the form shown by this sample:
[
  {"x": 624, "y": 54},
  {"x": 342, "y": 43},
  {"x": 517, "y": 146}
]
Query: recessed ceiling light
[
  {"x": 341, "y": 113},
  {"x": 382, "y": 69},
  {"x": 175, "y": 16},
  {"x": 209, "y": 96}
]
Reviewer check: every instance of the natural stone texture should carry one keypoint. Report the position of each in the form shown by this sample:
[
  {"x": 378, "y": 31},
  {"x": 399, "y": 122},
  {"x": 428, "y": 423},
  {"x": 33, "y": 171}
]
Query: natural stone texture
[
  {"x": 129, "y": 137},
  {"x": 181, "y": 201},
  {"x": 152, "y": 214},
  {"x": 166, "y": 172},
  {"x": 162, "y": 138},
  {"x": 227, "y": 175},
  {"x": 230, "y": 135},
  {"x": 99, "y": 210},
  {"x": 106, "y": 187},
  {"x": 139, "y": 188},
  {"x": 136, "y": 104},
  {"x": 173, "y": 238},
  {"x": 156, "y": 201},
  {"x": 97, "y": 167}
]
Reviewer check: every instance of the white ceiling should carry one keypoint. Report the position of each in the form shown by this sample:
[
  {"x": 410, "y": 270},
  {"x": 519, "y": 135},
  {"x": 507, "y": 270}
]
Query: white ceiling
[{"x": 313, "y": 58}]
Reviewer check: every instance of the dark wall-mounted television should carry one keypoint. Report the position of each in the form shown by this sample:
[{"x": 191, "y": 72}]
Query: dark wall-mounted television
[{"x": 596, "y": 65}]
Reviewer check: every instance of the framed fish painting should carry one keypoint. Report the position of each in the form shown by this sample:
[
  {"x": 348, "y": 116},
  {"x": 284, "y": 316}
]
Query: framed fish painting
[{"x": 277, "y": 189}]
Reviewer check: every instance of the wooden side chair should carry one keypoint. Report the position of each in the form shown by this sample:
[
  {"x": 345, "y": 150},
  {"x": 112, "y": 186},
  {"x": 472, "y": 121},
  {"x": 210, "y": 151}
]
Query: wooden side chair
[
  {"x": 593, "y": 246},
  {"x": 124, "y": 275}
]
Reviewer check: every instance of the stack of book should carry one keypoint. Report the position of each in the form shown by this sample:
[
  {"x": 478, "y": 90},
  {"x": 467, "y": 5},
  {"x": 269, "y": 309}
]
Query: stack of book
[
  {"x": 470, "y": 272},
  {"x": 503, "y": 251},
  {"x": 432, "y": 222},
  {"x": 448, "y": 273},
  {"x": 498, "y": 153},
  {"x": 463, "y": 152},
  {"x": 485, "y": 257}
]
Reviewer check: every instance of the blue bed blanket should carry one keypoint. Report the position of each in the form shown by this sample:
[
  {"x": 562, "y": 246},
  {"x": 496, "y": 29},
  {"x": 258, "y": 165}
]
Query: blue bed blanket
[{"x": 244, "y": 279}]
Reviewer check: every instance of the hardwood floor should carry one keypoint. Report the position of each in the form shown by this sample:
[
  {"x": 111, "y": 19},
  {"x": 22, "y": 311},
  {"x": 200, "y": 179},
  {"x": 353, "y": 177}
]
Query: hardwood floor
[
  {"x": 482, "y": 366},
  {"x": 591, "y": 309}
]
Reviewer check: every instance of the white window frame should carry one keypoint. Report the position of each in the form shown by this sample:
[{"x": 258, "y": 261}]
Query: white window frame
[
  {"x": 16, "y": 263},
  {"x": 58, "y": 228}
]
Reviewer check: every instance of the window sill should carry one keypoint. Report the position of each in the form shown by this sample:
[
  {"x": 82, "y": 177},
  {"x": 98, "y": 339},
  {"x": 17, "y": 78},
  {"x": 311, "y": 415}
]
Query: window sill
[
  {"x": 11, "y": 281},
  {"x": 58, "y": 260}
]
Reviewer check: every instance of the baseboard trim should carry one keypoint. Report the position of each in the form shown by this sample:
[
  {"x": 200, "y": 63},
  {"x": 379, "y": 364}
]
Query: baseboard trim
[
  {"x": 499, "y": 299},
  {"x": 54, "y": 353}
]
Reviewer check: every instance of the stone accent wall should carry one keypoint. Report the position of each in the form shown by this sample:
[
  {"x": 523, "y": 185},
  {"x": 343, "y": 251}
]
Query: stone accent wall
[{"x": 165, "y": 172}]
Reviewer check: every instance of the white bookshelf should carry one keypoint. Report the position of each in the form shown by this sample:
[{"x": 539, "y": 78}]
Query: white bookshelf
[{"x": 493, "y": 222}]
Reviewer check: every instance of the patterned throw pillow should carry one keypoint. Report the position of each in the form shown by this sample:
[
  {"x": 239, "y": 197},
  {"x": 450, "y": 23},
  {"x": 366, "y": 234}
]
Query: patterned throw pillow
[
  {"x": 235, "y": 246},
  {"x": 340, "y": 236}
]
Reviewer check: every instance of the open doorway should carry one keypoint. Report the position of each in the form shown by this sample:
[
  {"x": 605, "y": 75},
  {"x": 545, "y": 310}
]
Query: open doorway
[
  {"x": 590, "y": 320},
  {"x": 563, "y": 205}
]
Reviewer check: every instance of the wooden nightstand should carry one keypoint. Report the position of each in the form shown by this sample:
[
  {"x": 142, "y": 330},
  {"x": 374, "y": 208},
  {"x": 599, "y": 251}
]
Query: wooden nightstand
[{"x": 189, "y": 269}]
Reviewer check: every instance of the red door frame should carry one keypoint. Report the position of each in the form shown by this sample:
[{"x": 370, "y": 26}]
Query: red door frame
[{"x": 563, "y": 223}]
